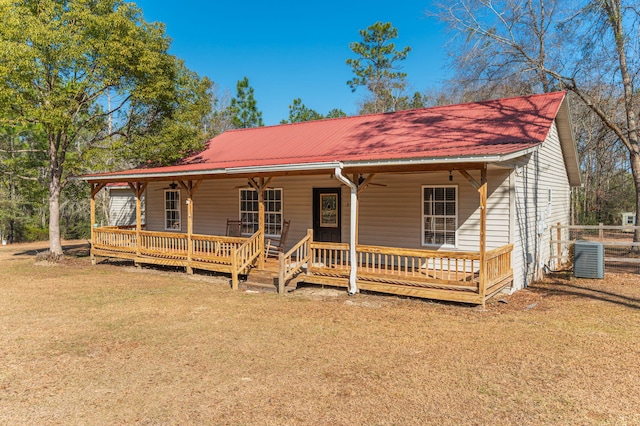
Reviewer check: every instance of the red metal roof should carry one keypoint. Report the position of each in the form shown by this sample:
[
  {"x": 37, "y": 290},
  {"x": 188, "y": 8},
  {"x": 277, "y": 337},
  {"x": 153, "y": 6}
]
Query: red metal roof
[{"x": 489, "y": 128}]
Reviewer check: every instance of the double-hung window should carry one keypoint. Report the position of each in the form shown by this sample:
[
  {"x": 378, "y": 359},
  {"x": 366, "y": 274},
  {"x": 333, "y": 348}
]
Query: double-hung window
[
  {"x": 439, "y": 215},
  {"x": 272, "y": 211},
  {"x": 172, "y": 210}
]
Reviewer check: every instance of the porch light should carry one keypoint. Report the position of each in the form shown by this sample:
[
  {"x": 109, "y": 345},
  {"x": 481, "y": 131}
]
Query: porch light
[{"x": 450, "y": 176}]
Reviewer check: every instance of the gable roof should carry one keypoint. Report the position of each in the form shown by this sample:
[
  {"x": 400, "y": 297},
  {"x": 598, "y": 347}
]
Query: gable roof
[{"x": 488, "y": 131}]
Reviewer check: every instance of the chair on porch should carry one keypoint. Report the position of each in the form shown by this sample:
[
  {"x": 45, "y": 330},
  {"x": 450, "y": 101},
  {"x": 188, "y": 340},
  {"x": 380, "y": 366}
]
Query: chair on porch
[
  {"x": 234, "y": 228},
  {"x": 274, "y": 246}
]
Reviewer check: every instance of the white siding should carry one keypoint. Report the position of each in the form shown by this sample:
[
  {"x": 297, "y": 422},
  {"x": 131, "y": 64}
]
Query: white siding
[
  {"x": 390, "y": 215},
  {"x": 122, "y": 207},
  {"x": 534, "y": 175},
  {"x": 215, "y": 201}
]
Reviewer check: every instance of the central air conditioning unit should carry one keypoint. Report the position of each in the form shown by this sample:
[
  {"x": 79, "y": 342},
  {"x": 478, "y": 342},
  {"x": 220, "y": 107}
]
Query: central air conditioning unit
[{"x": 588, "y": 259}]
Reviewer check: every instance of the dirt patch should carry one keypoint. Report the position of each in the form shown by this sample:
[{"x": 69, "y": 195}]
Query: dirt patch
[{"x": 114, "y": 344}]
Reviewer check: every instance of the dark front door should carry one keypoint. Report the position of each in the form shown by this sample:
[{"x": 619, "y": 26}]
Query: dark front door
[{"x": 326, "y": 215}]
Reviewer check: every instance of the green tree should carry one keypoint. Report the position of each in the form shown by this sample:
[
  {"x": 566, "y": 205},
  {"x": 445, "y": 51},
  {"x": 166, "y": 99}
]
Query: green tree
[
  {"x": 299, "y": 112},
  {"x": 21, "y": 181},
  {"x": 336, "y": 113},
  {"x": 587, "y": 47},
  {"x": 244, "y": 108},
  {"x": 86, "y": 72},
  {"x": 376, "y": 67}
]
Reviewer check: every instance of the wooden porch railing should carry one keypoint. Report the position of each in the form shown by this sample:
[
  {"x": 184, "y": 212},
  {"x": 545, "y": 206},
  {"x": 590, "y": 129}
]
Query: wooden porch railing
[
  {"x": 393, "y": 268},
  {"x": 113, "y": 238},
  {"x": 301, "y": 252},
  {"x": 454, "y": 269},
  {"x": 214, "y": 248},
  {"x": 498, "y": 266},
  {"x": 218, "y": 253}
]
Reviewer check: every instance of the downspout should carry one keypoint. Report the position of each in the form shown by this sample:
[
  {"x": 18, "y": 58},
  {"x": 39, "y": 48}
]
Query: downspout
[{"x": 353, "y": 288}]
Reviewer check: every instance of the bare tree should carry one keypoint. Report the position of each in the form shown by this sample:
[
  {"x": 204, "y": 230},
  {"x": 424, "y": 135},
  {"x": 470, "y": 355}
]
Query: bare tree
[{"x": 589, "y": 47}]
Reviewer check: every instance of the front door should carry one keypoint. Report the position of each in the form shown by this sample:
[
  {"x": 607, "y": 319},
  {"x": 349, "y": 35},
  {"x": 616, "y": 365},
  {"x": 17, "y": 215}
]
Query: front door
[{"x": 326, "y": 215}]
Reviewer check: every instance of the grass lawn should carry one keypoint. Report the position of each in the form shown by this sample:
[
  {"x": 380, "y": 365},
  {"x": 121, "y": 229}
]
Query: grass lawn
[{"x": 113, "y": 344}]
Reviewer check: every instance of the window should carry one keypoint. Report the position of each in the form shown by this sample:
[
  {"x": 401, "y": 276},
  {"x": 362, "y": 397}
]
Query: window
[
  {"x": 439, "y": 215},
  {"x": 272, "y": 211},
  {"x": 172, "y": 210}
]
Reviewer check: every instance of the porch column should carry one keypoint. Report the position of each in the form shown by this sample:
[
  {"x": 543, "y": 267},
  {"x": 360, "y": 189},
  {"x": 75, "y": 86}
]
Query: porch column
[
  {"x": 261, "y": 257},
  {"x": 483, "y": 233},
  {"x": 190, "y": 188},
  {"x": 95, "y": 188},
  {"x": 138, "y": 189},
  {"x": 260, "y": 185}
]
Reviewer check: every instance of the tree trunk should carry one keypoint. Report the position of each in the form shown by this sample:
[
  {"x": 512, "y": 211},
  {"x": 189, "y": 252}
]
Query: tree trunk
[
  {"x": 634, "y": 159},
  {"x": 55, "y": 243}
]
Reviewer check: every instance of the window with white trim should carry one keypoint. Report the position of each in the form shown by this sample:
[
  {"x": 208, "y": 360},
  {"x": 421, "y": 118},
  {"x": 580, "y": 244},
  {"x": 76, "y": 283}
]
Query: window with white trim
[
  {"x": 439, "y": 215},
  {"x": 172, "y": 210},
  {"x": 272, "y": 211}
]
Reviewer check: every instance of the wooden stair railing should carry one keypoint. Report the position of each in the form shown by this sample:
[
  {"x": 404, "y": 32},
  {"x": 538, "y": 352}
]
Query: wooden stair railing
[
  {"x": 287, "y": 268},
  {"x": 243, "y": 256}
]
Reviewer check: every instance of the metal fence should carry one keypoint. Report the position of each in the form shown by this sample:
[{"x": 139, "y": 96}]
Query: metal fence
[{"x": 621, "y": 254}]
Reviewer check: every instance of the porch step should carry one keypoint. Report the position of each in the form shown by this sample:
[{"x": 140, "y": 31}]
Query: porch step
[
  {"x": 271, "y": 288},
  {"x": 263, "y": 277},
  {"x": 265, "y": 280}
]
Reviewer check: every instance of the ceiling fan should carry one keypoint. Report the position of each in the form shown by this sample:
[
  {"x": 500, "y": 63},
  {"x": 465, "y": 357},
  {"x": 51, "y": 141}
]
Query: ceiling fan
[{"x": 172, "y": 186}]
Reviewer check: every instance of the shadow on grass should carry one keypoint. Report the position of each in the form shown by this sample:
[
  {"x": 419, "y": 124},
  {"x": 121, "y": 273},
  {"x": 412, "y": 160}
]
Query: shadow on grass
[
  {"x": 73, "y": 250},
  {"x": 588, "y": 290}
]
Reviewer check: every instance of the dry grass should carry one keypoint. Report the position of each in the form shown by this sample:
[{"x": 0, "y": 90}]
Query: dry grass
[{"x": 115, "y": 345}]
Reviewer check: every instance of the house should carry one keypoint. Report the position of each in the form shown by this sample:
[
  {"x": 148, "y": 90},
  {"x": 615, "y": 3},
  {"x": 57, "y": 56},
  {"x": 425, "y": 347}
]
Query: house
[
  {"x": 450, "y": 202},
  {"x": 629, "y": 219}
]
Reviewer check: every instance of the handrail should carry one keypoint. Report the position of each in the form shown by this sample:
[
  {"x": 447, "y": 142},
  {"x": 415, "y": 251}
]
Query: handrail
[
  {"x": 499, "y": 251},
  {"x": 302, "y": 252},
  {"x": 244, "y": 255}
]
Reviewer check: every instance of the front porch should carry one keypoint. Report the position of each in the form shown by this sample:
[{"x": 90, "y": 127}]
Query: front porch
[{"x": 462, "y": 276}]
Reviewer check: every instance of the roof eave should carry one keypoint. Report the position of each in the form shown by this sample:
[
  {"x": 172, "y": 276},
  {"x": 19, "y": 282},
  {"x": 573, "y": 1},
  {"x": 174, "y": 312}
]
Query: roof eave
[
  {"x": 568, "y": 143},
  {"x": 124, "y": 177},
  {"x": 306, "y": 167}
]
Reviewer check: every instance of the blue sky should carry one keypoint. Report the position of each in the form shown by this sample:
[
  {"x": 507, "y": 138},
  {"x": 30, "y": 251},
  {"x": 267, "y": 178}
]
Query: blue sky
[{"x": 296, "y": 49}]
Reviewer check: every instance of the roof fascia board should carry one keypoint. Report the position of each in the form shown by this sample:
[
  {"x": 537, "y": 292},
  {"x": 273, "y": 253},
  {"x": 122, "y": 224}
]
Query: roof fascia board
[
  {"x": 568, "y": 143},
  {"x": 142, "y": 176},
  {"x": 283, "y": 168},
  {"x": 442, "y": 160}
]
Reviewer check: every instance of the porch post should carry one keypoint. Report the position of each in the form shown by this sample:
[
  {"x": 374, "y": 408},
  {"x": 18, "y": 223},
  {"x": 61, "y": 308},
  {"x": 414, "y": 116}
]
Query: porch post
[
  {"x": 93, "y": 221},
  {"x": 260, "y": 186},
  {"x": 483, "y": 233},
  {"x": 190, "y": 188},
  {"x": 138, "y": 189},
  {"x": 95, "y": 188},
  {"x": 138, "y": 217},
  {"x": 189, "y": 232},
  {"x": 261, "y": 257}
]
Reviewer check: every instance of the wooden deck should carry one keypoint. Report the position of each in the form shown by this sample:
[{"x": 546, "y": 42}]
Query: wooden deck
[{"x": 441, "y": 275}]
